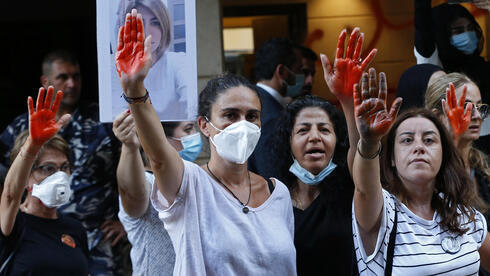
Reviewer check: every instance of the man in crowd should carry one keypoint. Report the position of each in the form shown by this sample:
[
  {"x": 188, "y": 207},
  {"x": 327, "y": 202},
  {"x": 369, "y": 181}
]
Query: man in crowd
[
  {"x": 308, "y": 61},
  {"x": 276, "y": 69}
]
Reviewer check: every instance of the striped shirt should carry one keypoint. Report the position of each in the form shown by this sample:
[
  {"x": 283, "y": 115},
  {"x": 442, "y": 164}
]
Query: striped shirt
[{"x": 418, "y": 249}]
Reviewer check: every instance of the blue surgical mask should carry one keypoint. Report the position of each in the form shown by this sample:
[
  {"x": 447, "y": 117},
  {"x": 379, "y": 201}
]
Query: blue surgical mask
[
  {"x": 192, "y": 145},
  {"x": 466, "y": 42},
  {"x": 307, "y": 177},
  {"x": 293, "y": 91}
]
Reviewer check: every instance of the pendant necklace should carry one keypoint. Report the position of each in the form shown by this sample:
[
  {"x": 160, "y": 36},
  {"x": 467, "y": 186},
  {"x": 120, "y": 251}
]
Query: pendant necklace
[{"x": 245, "y": 208}]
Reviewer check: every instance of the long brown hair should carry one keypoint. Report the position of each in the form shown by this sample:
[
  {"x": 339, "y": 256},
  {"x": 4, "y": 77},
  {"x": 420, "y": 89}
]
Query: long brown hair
[{"x": 455, "y": 192}]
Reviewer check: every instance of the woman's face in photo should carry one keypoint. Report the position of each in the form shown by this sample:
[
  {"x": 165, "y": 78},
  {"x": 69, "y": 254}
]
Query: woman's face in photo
[{"x": 152, "y": 27}]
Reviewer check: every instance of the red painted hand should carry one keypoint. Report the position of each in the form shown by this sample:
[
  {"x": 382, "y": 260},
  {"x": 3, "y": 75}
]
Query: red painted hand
[
  {"x": 458, "y": 117},
  {"x": 372, "y": 117},
  {"x": 346, "y": 71},
  {"x": 133, "y": 55},
  {"x": 42, "y": 120}
]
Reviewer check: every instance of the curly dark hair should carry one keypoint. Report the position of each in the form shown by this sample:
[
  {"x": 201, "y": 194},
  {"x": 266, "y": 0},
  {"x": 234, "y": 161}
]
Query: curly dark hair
[
  {"x": 281, "y": 156},
  {"x": 455, "y": 192}
]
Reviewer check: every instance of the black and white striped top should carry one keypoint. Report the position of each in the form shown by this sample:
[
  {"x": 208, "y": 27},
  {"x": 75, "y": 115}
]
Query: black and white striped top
[{"x": 418, "y": 249}]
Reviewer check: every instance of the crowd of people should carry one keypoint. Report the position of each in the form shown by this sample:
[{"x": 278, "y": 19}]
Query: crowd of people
[{"x": 293, "y": 185}]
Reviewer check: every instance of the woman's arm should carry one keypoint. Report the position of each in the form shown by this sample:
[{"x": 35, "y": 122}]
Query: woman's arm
[
  {"x": 485, "y": 253},
  {"x": 133, "y": 60},
  {"x": 341, "y": 77},
  {"x": 134, "y": 193},
  {"x": 42, "y": 127},
  {"x": 373, "y": 122}
]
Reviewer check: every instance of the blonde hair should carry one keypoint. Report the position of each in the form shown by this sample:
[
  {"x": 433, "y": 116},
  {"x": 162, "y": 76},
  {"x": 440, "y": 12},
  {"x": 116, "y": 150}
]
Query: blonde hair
[
  {"x": 161, "y": 13},
  {"x": 436, "y": 91},
  {"x": 55, "y": 143}
]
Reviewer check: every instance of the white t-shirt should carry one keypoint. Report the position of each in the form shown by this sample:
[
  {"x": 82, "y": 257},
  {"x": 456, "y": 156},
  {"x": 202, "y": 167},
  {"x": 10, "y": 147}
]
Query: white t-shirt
[
  {"x": 418, "y": 249},
  {"x": 212, "y": 236}
]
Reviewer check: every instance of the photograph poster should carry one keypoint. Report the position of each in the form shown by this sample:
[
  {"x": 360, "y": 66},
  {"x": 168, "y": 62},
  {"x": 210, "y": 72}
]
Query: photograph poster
[{"x": 172, "y": 79}]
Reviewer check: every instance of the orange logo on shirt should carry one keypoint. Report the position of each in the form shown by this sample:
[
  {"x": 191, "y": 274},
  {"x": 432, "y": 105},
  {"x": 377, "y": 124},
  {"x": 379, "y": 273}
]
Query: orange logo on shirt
[{"x": 68, "y": 240}]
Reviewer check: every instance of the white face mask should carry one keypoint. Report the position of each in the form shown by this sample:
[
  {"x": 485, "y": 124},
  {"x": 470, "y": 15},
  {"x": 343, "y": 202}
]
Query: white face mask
[
  {"x": 237, "y": 141},
  {"x": 53, "y": 191}
]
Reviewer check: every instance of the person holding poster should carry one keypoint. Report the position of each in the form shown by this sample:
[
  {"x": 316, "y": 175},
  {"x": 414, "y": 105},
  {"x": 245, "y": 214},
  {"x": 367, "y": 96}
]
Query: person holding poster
[
  {"x": 168, "y": 78},
  {"x": 221, "y": 218}
]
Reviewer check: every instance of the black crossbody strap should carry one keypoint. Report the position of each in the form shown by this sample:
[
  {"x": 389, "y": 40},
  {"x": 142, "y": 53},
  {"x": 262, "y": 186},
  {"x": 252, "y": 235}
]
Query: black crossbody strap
[{"x": 391, "y": 247}]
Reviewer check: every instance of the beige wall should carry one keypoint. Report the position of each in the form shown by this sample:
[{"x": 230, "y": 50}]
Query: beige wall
[
  {"x": 395, "y": 45},
  {"x": 209, "y": 50}
]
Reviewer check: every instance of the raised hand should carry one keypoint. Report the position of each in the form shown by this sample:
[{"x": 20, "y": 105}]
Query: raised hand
[
  {"x": 42, "y": 120},
  {"x": 346, "y": 70},
  {"x": 458, "y": 117},
  {"x": 372, "y": 117},
  {"x": 133, "y": 55},
  {"x": 125, "y": 130}
]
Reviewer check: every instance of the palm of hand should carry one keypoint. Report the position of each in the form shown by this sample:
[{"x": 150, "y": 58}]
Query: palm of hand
[
  {"x": 457, "y": 120},
  {"x": 372, "y": 118},
  {"x": 43, "y": 125},
  {"x": 130, "y": 58},
  {"x": 347, "y": 74},
  {"x": 42, "y": 121}
]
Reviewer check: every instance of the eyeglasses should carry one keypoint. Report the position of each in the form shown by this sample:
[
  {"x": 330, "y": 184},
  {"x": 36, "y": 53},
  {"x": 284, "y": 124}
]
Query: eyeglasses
[
  {"x": 44, "y": 170},
  {"x": 482, "y": 109}
]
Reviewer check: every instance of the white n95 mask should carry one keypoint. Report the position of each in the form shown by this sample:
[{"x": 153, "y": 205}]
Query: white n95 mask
[
  {"x": 237, "y": 141},
  {"x": 54, "y": 190}
]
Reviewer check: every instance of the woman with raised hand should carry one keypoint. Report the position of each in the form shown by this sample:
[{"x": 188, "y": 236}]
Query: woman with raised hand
[
  {"x": 38, "y": 239},
  {"x": 309, "y": 151},
  {"x": 424, "y": 222},
  {"x": 152, "y": 252},
  {"x": 441, "y": 98},
  {"x": 222, "y": 219}
]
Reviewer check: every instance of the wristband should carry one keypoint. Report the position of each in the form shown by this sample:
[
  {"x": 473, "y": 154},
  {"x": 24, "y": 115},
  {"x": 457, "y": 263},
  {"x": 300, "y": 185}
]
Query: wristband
[
  {"x": 368, "y": 157},
  {"x": 132, "y": 100}
]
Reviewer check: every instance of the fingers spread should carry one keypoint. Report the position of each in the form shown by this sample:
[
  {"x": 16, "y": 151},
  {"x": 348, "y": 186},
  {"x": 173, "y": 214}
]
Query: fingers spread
[
  {"x": 372, "y": 83},
  {"x": 327, "y": 68},
  {"x": 140, "y": 29},
  {"x": 120, "y": 41},
  {"x": 57, "y": 101},
  {"x": 395, "y": 107},
  {"x": 133, "y": 25},
  {"x": 352, "y": 41},
  {"x": 463, "y": 97},
  {"x": 48, "y": 98},
  {"x": 30, "y": 105},
  {"x": 63, "y": 120},
  {"x": 356, "y": 95},
  {"x": 147, "y": 50},
  {"x": 365, "y": 63},
  {"x": 383, "y": 88},
  {"x": 127, "y": 29},
  {"x": 40, "y": 98},
  {"x": 467, "y": 112},
  {"x": 357, "y": 52},
  {"x": 364, "y": 87},
  {"x": 340, "y": 44}
]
